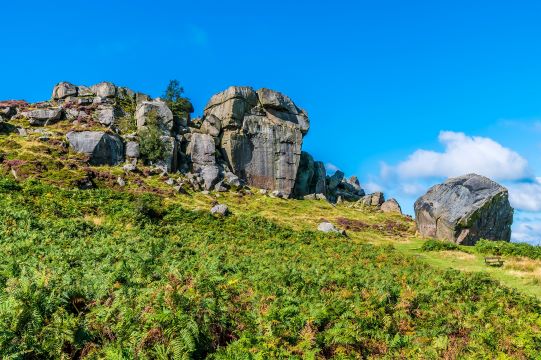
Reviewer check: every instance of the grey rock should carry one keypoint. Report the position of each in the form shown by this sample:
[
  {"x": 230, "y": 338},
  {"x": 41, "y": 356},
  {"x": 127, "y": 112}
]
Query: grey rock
[
  {"x": 40, "y": 117},
  {"x": 84, "y": 91},
  {"x": 260, "y": 140},
  {"x": 278, "y": 194},
  {"x": 391, "y": 206},
  {"x": 202, "y": 150},
  {"x": 108, "y": 115},
  {"x": 232, "y": 180},
  {"x": 129, "y": 168},
  {"x": 210, "y": 175},
  {"x": 211, "y": 125},
  {"x": 375, "y": 199},
  {"x": 327, "y": 227},
  {"x": 140, "y": 97},
  {"x": 132, "y": 149},
  {"x": 104, "y": 90},
  {"x": 465, "y": 209},
  {"x": 170, "y": 181},
  {"x": 335, "y": 180},
  {"x": 63, "y": 90},
  {"x": 102, "y": 148},
  {"x": 220, "y": 209},
  {"x": 157, "y": 111}
]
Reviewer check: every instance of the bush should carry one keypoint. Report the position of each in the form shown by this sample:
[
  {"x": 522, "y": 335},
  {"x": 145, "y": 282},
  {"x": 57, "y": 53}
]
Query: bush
[
  {"x": 439, "y": 245},
  {"x": 507, "y": 248},
  {"x": 151, "y": 146}
]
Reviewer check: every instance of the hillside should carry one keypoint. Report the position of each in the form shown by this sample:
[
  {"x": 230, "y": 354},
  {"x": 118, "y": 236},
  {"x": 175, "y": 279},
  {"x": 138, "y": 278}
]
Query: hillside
[
  {"x": 111, "y": 255},
  {"x": 111, "y": 274}
]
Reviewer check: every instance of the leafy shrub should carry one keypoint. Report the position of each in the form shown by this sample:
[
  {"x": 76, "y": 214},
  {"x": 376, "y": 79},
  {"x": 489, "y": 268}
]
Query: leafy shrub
[
  {"x": 508, "y": 248},
  {"x": 151, "y": 146},
  {"x": 439, "y": 245}
]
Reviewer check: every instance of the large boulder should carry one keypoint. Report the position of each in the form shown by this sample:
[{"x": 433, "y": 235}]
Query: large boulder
[
  {"x": 102, "y": 148},
  {"x": 465, "y": 209},
  {"x": 261, "y": 135}
]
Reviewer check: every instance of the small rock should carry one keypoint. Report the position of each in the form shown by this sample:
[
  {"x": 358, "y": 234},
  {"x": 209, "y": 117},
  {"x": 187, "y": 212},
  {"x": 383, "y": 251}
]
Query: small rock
[
  {"x": 327, "y": 227},
  {"x": 129, "y": 168},
  {"x": 170, "y": 182},
  {"x": 277, "y": 194},
  {"x": 120, "y": 181},
  {"x": 263, "y": 191},
  {"x": 220, "y": 209}
]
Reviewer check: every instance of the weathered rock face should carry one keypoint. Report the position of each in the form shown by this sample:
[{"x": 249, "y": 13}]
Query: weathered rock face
[
  {"x": 311, "y": 177},
  {"x": 203, "y": 153},
  {"x": 156, "y": 111},
  {"x": 63, "y": 90},
  {"x": 40, "y": 117},
  {"x": 102, "y": 148},
  {"x": 465, "y": 209},
  {"x": 261, "y": 135}
]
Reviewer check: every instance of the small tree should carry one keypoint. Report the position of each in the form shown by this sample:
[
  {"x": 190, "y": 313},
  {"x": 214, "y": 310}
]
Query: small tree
[{"x": 179, "y": 105}]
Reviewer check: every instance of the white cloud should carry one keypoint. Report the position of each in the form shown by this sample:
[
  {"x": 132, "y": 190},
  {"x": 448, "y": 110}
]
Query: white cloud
[
  {"x": 526, "y": 195},
  {"x": 372, "y": 187},
  {"x": 462, "y": 154},
  {"x": 331, "y": 168},
  {"x": 526, "y": 228}
]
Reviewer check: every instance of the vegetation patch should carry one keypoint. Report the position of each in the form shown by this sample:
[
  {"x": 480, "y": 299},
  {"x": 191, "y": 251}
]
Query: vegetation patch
[
  {"x": 508, "y": 248},
  {"x": 105, "y": 274},
  {"x": 439, "y": 245}
]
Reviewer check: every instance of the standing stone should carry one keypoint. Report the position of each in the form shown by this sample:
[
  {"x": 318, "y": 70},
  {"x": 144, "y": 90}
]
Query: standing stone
[
  {"x": 102, "y": 148},
  {"x": 465, "y": 209}
]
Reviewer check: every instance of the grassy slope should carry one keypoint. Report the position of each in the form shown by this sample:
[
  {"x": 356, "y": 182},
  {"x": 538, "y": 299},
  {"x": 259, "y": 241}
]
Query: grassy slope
[{"x": 106, "y": 273}]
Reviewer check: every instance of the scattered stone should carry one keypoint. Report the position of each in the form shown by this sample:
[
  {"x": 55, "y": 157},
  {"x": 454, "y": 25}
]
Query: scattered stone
[
  {"x": 220, "y": 209},
  {"x": 120, "y": 181},
  {"x": 263, "y": 191},
  {"x": 278, "y": 194},
  {"x": 465, "y": 209},
  {"x": 170, "y": 181},
  {"x": 391, "y": 206},
  {"x": 327, "y": 227},
  {"x": 129, "y": 168}
]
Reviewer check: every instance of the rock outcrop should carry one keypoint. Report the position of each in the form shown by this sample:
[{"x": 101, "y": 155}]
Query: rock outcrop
[
  {"x": 260, "y": 134},
  {"x": 465, "y": 209}
]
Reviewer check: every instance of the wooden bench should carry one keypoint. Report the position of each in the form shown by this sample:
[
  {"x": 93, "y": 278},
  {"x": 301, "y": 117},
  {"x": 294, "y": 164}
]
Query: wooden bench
[{"x": 493, "y": 261}]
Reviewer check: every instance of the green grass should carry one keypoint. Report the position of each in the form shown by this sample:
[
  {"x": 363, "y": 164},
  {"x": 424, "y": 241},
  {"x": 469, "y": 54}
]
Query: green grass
[{"x": 108, "y": 274}]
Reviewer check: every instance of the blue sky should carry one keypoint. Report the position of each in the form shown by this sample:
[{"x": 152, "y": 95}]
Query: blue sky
[{"x": 381, "y": 80}]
